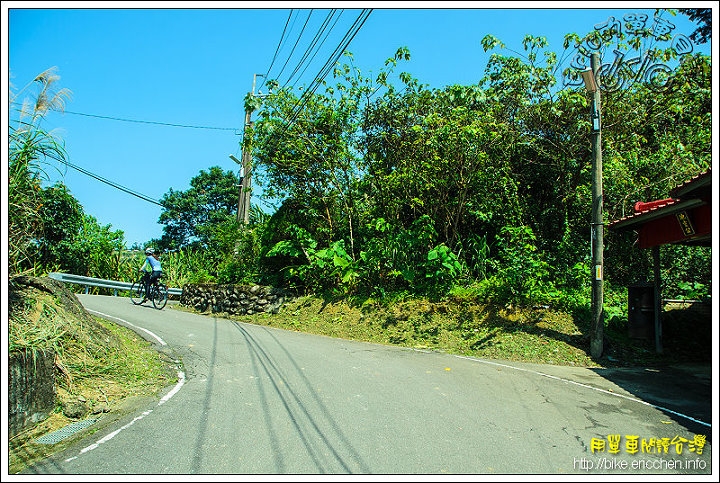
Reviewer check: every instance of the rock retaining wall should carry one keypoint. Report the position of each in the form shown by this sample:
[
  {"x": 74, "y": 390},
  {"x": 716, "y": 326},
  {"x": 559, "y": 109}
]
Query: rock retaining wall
[
  {"x": 233, "y": 299},
  {"x": 32, "y": 391}
]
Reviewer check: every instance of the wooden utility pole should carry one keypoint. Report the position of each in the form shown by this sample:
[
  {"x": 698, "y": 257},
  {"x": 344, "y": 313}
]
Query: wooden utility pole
[
  {"x": 596, "y": 228},
  {"x": 243, "y": 214},
  {"x": 245, "y": 185},
  {"x": 240, "y": 191}
]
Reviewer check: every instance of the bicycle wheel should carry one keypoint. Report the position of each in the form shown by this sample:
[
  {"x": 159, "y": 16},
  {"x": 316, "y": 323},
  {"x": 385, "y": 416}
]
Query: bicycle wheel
[
  {"x": 137, "y": 292},
  {"x": 160, "y": 296}
]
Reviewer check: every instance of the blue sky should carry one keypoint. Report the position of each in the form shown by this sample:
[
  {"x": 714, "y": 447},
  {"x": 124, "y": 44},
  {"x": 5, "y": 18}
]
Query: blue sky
[{"x": 158, "y": 93}]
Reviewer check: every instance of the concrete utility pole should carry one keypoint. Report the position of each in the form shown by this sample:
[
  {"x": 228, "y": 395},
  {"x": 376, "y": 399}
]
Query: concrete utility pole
[
  {"x": 243, "y": 214},
  {"x": 596, "y": 225}
]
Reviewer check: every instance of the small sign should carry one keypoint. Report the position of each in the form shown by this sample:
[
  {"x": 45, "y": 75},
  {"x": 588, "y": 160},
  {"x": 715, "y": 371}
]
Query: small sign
[
  {"x": 598, "y": 272},
  {"x": 685, "y": 223}
]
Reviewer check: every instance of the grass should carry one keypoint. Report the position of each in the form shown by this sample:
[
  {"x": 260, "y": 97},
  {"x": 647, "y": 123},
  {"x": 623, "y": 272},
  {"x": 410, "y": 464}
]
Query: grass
[{"x": 463, "y": 327}]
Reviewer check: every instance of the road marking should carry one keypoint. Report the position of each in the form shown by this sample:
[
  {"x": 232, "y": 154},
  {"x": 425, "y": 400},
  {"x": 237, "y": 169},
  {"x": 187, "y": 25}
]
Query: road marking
[
  {"x": 105, "y": 439},
  {"x": 661, "y": 408},
  {"x": 166, "y": 398},
  {"x": 156, "y": 337}
]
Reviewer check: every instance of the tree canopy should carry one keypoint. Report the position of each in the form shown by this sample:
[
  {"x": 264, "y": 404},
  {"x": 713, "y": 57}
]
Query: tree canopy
[
  {"x": 386, "y": 173},
  {"x": 702, "y": 16},
  {"x": 192, "y": 216}
]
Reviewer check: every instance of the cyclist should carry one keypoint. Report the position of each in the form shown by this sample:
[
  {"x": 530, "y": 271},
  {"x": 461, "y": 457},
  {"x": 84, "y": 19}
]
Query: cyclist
[{"x": 151, "y": 277}]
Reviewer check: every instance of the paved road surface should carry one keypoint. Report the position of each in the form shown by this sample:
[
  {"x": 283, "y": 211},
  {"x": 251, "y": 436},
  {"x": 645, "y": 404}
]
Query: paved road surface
[{"x": 258, "y": 400}]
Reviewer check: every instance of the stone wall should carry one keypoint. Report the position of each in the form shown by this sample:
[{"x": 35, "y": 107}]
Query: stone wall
[
  {"x": 31, "y": 397},
  {"x": 233, "y": 299}
]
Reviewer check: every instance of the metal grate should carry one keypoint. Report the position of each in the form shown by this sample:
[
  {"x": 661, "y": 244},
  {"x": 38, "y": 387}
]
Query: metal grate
[{"x": 62, "y": 433}]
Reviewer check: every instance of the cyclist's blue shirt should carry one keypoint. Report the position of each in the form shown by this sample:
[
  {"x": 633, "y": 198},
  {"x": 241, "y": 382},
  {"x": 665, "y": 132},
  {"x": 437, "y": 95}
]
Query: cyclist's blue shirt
[{"x": 153, "y": 262}]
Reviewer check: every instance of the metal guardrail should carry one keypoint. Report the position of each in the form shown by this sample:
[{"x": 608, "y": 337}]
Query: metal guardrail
[{"x": 100, "y": 282}]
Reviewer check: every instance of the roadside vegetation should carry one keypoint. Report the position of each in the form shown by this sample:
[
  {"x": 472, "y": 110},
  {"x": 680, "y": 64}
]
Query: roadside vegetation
[
  {"x": 100, "y": 366},
  {"x": 385, "y": 188},
  {"x": 464, "y": 327},
  {"x": 111, "y": 369}
]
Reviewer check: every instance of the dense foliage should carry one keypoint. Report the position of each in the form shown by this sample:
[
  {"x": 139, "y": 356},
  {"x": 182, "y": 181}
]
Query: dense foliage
[
  {"x": 386, "y": 187},
  {"x": 392, "y": 187},
  {"x": 48, "y": 228},
  {"x": 29, "y": 147}
]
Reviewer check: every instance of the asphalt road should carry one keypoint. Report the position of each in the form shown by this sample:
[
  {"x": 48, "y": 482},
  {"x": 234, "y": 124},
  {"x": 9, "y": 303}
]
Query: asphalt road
[{"x": 258, "y": 400}]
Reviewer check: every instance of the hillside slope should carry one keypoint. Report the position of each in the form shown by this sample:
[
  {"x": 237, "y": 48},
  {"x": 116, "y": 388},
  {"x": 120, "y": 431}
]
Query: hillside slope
[{"x": 101, "y": 370}]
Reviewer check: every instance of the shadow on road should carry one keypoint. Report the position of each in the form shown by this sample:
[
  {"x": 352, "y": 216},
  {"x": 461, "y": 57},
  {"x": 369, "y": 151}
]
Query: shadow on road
[{"x": 683, "y": 392}]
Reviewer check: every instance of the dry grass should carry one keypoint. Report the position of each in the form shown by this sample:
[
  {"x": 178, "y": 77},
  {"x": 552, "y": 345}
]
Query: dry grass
[{"x": 99, "y": 363}]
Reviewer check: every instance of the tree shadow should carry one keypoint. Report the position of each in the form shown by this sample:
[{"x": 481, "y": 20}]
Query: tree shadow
[
  {"x": 677, "y": 382},
  {"x": 496, "y": 322}
]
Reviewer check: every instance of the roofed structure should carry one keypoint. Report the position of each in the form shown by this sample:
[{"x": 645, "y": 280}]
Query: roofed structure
[{"x": 683, "y": 218}]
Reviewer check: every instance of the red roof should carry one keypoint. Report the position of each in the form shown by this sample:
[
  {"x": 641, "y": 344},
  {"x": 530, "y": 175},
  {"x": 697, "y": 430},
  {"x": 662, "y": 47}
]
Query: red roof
[
  {"x": 683, "y": 218},
  {"x": 644, "y": 210},
  {"x": 644, "y": 207},
  {"x": 694, "y": 186}
]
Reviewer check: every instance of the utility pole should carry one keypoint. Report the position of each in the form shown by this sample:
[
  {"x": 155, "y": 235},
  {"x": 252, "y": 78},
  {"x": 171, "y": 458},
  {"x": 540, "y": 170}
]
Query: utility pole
[
  {"x": 596, "y": 224},
  {"x": 243, "y": 214},
  {"x": 239, "y": 185}
]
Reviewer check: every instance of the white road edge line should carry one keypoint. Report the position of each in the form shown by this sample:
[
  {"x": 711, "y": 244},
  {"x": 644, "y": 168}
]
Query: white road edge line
[
  {"x": 589, "y": 387},
  {"x": 157, "y": 338},
  {"x": 166, "y": 398}
]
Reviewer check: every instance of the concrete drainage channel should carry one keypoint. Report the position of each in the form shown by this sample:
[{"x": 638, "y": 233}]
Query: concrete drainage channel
[{"x": 62, "y": 433}]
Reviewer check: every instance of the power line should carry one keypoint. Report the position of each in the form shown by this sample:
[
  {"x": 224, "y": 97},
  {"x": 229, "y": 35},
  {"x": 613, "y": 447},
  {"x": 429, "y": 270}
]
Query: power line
[
  {"x": 311, "y": 50},
  {"x": 280, "y": 43},
  {"x": 113, "y": 184},
  {"x": 314, "y": 42},
  {"x": 354, "y": 29},
  {"x": 296, "y": 43},
  {"x": 139, "y": 121},
  {"x": 151, "y": 122}
]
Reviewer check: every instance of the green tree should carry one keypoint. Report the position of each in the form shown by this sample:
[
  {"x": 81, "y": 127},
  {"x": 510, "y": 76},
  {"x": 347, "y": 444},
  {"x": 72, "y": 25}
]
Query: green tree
[
  {"x": 63, "y": 218},
  {"x": 306, "y": 148},
  {"x": 428, "y": 156},
  {"x": 702, "y": 16},
  {"x": 201, "y": 225},
  {"x": 384, "y": 184},
  {"x": 543, "y": 150},
  {"x": 193, "y": 217},
  {"x": 658, "y": 140},
  {"x": 653, "y": 139},
  {"x": 95, "y": 251},
  {"x": 73, "y": 242},
  {"x": 315, "y": 159}
]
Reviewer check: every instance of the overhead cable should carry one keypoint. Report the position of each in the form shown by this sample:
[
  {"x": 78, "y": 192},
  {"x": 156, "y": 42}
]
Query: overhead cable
[
  {"x": 296, "y": 43},
  {"x": 329, "y": 64},
  {"x": 280, "y": 43},
  {"x": 113, "y": 184},
  {"x": 151, "y": 122},
  {"x": 313, "y": 45},
  {"x": 295, "y": 111}
]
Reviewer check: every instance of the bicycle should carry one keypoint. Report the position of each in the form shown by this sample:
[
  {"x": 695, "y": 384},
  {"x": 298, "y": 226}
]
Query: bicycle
[{"x": 158, "y": 292}]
